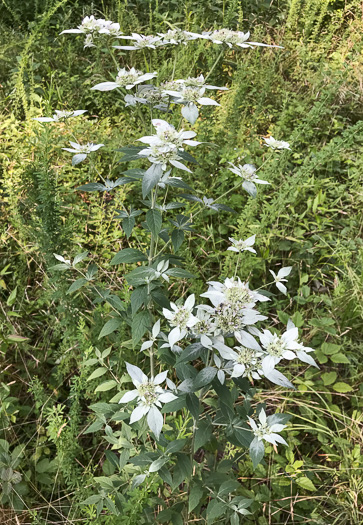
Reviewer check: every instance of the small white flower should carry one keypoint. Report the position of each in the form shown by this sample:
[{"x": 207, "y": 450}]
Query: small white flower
[
  {"x": 150, "y": 397},
  {"x": 244, "y": 362},
  {"x": 189, "y": 97},
  {"x": 82, "y": 151},
  {"x": 279, "y": 278},
  {"x": 266, "y": 429},
  {"x": 125, "y": 78},
  {"x": 177, "y": 36},
  {"x": 150, "y": 95},
  {"x": 61, "y": 115},
  {"x": 181, "y": 318},
  {"x": 276, "y": 144},
  {"x": 91, "y": 25},
  {"x": 232, "y": 38},
  {"x": 206, "y": 326},
  {"x": 242, "y": 246},
  {"x": 197, "y": 82},
  {"x": 163, "y": 154},
  {"x": 250, "y": 178},
  {"x": 166, "y": 134},
  {"x": 277, "y": 347},
  {"x": 141, "y": 42}
]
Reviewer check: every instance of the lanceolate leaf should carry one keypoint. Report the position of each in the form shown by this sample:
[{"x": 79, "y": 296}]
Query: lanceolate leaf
[
  {"x": 128, "y": 255},
  {"x": 154, "y": 221},
  {"x": 140, "y": 323},
  {"x": 257, "y": 451},
  {"x": 111, "y": 326},
  {"x": 151, "y": 178}
]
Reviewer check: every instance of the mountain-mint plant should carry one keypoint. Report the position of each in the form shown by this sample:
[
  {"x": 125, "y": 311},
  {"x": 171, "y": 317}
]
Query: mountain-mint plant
[{"x": 202, "y": 358}]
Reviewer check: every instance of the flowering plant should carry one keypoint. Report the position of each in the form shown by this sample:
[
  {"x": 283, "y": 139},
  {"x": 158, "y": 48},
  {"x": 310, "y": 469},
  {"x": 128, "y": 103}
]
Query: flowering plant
[{"x": 216, "y": 353}]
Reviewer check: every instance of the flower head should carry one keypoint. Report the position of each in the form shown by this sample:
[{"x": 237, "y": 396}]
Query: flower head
[
  {"x": 82, "y": 151},
  {"x": 250, "y": 178},
  {"x": 197, "y": 82},
  {"x": 166, "y": 134},
  {"x": 232, "y": 38},
  {"x": 61, "y": 115},
  {"x": 270, "y": 142},
  {"x": 141, "y": 42},
  {"x": 181, "y": 318},
  {"x": 267, "y": 429},
  {"x": 177, "y": 36},
  {"x": 242, "y": 246},
  {"x": 92, "y": 26},
  {"x": 279, "y": 278},
  {"x": 125, "y": 78},
  {"x": 150, "y": 397}
]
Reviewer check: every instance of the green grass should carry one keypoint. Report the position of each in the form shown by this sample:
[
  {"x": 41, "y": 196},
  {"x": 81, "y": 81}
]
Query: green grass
[{"x": 311, "y": 216}]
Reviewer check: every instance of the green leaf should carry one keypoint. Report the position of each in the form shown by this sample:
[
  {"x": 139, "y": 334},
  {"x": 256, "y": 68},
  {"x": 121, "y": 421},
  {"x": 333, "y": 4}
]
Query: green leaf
[
  {"x": 177, "y": 238},
  {"x": 95, "y": 427},
  {"x": 205, "y": 377},
  {"x": 138, "y": 298},
  {"x": 128, "y": 255},
  {"x": 17, "y": 338},
  {"x": 179, "y": 272},
  {"x": 175, "y": 446},
  {"x": 92, "y": 186},
  {"x": 158, "y": 463},
  {"x": 139, "y": 276},
  {"x": 190, "y": 353},
  {"x": 215, "y": 509},
  {"x": 154, "y": 221},
  {"x": 80, "y": 257},
  {"x": 97, "y": 373},
  {"x": 305, "y": 483},
  {"x": 329, "y": 378},
  {"x": 257, "y": 451},
  {"x": 91, "y": 500},
  {"x": 76, "y": 285},
  {"x": 151, "y": 178},
  {"x": 339, "y": 358},
  {"x": 107, "y": 385},
  {"x": 174, "y": 406},
  {"x": 196, "y": 494},
  {"x": 330, "y": 348},
  {"x": 140, "y": 324},
  {"x": 228, "y": 487},
  {"x": 193, "y": 405},
  {"x": 182, "y": 470},
  {"x": 203, "y": 434},
  {"x": 111, "y": 326},
  {"x": 342, "y": 387},
  {"x": 128, "y": 224}
]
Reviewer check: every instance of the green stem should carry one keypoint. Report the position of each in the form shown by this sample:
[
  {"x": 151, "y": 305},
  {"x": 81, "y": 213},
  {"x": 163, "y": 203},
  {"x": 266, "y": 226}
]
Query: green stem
[
  {"x": 238, "y": 259},
  {"x": 215, "y": 63},
  {"x": 174, "y": 66}
]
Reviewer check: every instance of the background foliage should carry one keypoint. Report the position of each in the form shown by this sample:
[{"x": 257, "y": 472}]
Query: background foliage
[{"x": 311, "y": 216}]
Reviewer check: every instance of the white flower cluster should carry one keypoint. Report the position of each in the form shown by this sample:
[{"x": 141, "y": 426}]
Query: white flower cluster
[
  {"x": 61, "y": 115},
  {"x": 150, "y": 397},
  {"x": 232, "y": 38},
  {"x": 189, "y": 93},
  {"x": 81, "y": 151},
  {"x": 91, "y": 27},
  {"x": 164, "y": 147},
  {"x": 125, "y": 78},
  {"x": 233, "y": 314}
]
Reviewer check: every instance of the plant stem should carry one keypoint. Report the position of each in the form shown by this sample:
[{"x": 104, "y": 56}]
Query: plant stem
[{"x": 215, "y": 63}]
